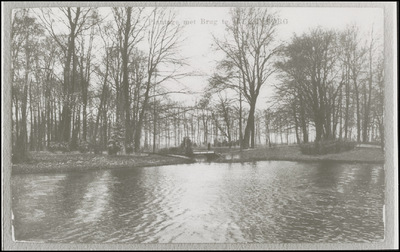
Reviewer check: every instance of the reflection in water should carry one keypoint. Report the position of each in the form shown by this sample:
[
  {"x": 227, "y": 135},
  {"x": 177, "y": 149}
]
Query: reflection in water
[{"x": 269, "y": 202}]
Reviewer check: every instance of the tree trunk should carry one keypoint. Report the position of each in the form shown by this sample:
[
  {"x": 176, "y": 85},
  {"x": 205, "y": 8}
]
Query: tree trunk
[
  {"x": 358, "y": 111},
  {"x": 125, "y": 80},
  {"x": 249, "y": 130}
]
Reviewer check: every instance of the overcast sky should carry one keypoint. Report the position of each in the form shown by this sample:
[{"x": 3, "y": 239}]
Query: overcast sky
[{"x": 208, "y": 20}]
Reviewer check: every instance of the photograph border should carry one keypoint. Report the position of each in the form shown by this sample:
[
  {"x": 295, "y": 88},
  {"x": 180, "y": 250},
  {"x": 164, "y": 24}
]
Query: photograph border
[{"x": 390, "y": 122}]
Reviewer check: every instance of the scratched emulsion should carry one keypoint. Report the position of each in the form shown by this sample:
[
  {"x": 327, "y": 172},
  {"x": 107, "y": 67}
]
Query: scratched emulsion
[{"x": 265, "y": 202}]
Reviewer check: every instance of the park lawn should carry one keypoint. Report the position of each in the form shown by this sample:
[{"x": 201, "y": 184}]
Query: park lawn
[
  {"x": 293, "y": 153},
  {"x": 42, "y": 162}
]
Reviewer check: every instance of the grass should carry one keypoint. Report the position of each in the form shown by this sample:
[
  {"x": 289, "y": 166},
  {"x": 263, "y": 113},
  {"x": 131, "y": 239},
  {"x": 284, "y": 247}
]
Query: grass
[
  {"x": 293, "y": 153},
  {"x": 43, "y": 162}
]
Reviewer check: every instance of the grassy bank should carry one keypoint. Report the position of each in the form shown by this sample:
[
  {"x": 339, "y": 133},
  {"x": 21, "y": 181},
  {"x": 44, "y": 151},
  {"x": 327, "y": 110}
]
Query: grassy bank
[
  {"x": 293, "y": 153},
  {"x": 42, "y": 162}
]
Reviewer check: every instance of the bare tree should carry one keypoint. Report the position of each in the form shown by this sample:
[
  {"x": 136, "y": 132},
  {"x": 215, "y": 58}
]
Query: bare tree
[{"x": 249, "y": 49}]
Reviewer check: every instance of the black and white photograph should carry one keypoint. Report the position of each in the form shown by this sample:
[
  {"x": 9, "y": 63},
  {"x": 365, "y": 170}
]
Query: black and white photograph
[{"x": 229, "y": 124}]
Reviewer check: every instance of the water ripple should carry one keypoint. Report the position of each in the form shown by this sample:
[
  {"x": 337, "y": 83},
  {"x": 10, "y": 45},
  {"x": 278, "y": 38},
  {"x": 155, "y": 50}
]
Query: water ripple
[{"x": 268, "y": 202}]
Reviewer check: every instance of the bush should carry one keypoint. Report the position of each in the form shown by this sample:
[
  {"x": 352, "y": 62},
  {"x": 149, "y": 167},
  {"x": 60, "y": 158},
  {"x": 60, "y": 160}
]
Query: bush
[
  {"x": 184, "y": 149},
  {"x": 186, "y": 145},
  {"x": 113, "y": 147},
  {"x": 326, "y": 147}
]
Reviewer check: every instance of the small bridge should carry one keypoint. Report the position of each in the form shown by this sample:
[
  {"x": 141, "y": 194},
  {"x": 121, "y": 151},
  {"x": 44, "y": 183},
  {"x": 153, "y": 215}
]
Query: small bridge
[{"x": 209, "y": 154}]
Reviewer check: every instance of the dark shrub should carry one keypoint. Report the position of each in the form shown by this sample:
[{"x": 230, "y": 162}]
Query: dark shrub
[
  {"x": 113, "y": 147},
  {"x": 184, "y": 149},
  {"x": 186, "y": 142},
  {"x": 186, "y": 145}
]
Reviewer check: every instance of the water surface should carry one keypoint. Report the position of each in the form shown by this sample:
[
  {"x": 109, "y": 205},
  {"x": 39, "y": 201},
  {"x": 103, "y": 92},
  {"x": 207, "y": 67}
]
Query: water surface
[{"x": 265, "y": 202}]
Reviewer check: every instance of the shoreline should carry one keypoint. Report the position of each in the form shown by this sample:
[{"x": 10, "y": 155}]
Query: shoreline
[
  {"x": 300, "y": 160},
  {"x": 46, "y": 162},
  {"x": 76, "y": 162},
  {"x": 293, "y": 153}
]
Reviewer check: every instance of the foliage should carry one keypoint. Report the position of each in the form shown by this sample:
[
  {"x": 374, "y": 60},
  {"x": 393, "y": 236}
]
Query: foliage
[{"x": 327, "y": 147}]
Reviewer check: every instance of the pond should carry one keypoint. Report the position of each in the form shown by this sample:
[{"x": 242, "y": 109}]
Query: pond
[{"x": 262, "y": 202}]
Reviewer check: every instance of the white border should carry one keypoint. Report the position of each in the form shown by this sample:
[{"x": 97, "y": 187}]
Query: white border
[{"x": 391, "y": 158}]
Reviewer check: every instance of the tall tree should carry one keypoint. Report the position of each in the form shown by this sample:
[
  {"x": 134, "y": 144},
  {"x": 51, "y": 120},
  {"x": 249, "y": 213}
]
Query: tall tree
[
  {"x": 130, "y": 27},
  {"x": 249, "y": 49}
]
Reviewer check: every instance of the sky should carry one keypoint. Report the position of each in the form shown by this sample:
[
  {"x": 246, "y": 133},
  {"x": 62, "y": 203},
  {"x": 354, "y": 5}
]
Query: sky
[{"x": 204, "y": 21}]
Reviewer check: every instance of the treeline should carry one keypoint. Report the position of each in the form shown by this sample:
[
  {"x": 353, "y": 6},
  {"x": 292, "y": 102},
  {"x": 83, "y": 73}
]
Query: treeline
[
  {"x": 82, "y": 81},
  {"x": 332, "y": 81},
  {"x": 79, "y": 77}
]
